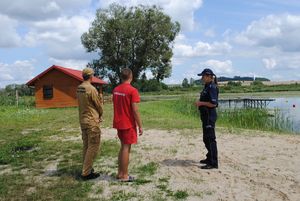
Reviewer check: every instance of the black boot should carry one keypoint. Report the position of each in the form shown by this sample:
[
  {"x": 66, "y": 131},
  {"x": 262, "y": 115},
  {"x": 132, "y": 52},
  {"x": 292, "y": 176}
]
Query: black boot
[
  {"x": 204, "y": 161},
  {"x": 208, "y": 166}
]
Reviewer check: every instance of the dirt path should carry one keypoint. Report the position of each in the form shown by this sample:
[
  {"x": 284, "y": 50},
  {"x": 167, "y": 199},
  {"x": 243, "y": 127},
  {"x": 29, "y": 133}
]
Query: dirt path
[{"x": 265, "y": 167}]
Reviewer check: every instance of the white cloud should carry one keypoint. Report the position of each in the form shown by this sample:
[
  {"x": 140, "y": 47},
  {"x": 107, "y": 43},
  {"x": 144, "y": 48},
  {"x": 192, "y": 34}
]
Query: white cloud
[
  {"x": 18, "y": 72},
  {"x": 149, "y": 75},
  {"x": 177, "y": 61},
  {"x": 267, "y": 3},
  {"x": 172, "y": 81},
  {"x": 277, "y": 77},
  {"x": 201, "y": 49},
  {"x": 210, "y": 33},
  {"x": 9, "y": 36},
  {"x": 190, "y": 72},
  {"x": 181, "y": 11},
  {"x": 51, "y": 7},
  {"x": 269, "y": 63},
  {"x": 69, "y": 63},
  {"x": 219, "y": 67},
  {"x": 287, "y": 61},
  {"x": 60, "y": 37},
  {"x": 280, "y": 31},
  {"x": 274, "y": 39},
  {"x": 40, "y": 9}
]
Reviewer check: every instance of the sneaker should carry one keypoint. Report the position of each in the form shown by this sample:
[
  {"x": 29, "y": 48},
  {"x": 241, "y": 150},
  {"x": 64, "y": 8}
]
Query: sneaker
[
  {"x": 204, "y": 161},
  {"x": 208, "y": 166},
  {"x": 90, "y": 176}
]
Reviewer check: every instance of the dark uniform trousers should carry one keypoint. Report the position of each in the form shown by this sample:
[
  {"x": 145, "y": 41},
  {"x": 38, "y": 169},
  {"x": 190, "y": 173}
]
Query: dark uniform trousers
[
  {"x": 209, "y": 139},
  {"x": 91, "y": 144}
]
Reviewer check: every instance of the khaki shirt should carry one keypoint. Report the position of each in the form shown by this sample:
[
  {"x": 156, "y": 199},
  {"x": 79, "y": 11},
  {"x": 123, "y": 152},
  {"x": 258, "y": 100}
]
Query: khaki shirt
[{"x": 89, "y": 104}]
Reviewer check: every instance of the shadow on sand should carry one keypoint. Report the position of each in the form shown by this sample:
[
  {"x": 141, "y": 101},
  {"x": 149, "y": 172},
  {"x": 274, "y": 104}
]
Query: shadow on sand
[{"x": 180, "y": 163}]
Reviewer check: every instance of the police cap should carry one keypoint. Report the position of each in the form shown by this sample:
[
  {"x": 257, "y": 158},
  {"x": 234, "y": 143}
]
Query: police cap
[{"x": 206, "y": 71}]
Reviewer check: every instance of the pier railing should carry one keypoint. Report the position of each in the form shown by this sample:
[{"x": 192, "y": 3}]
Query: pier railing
[{"x": 247, "y": 102}]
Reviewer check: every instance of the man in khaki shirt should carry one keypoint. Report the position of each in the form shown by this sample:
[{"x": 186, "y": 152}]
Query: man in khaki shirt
[{"x": 90, "y": 112}]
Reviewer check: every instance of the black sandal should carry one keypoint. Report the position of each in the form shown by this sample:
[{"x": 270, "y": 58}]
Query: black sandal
[{"x": 129, "y": 179}]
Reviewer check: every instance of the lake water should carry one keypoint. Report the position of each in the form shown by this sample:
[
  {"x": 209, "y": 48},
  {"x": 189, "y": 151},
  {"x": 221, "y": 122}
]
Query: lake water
[{"x": 289, "y": 107}]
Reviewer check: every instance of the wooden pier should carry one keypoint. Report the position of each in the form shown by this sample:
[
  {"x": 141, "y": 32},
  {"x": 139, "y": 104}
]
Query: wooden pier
[{"x": 248, "y": 102}]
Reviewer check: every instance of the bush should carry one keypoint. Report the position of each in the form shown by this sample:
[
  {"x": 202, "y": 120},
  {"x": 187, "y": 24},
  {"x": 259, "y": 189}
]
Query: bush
[
  {"x": 234, "y": 84},
  {"x": 7, "y": 99},
  {"x": 23, "y": 90},
  {"x": 257, "y": 83},
  {"x": 150, "y": 85}
]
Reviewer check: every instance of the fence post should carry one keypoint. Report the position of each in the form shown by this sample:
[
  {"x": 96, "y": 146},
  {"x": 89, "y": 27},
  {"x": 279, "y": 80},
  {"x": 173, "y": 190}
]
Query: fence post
[{"x": 17, "y": 97}]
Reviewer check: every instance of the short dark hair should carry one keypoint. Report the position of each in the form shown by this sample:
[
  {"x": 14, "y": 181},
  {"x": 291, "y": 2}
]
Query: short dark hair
[
  {"x": 86, "y": 77},
  {"x": 126, "y": 73}
]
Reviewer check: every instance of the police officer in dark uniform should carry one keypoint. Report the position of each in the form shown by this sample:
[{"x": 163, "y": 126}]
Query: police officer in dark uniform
[{"x": 207, "y": 105}]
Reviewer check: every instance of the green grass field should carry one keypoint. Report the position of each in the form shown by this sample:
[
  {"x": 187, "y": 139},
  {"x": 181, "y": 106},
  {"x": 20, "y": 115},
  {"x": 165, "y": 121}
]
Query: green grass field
[{"x": 31, "y": 139}]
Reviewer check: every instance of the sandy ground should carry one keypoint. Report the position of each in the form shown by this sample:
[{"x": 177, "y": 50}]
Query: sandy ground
[
  {"x": 260, "y": 167},
  {"x": 251, "y": 166}
]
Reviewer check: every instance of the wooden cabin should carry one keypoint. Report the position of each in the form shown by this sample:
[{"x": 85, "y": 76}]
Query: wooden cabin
[{"x": 56, "y": 87}]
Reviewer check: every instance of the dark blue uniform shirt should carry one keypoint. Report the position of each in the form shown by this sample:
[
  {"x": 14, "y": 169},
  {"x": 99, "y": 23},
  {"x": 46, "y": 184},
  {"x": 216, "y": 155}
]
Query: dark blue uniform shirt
[{"x": 210, "y": 94}]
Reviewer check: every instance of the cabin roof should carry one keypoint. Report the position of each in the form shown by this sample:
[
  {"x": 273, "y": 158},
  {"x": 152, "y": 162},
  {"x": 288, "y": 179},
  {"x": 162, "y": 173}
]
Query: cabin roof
[{"x": 77, "y": 74}]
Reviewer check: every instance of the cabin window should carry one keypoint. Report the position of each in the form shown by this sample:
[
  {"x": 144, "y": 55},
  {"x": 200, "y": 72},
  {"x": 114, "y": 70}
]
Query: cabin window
[{"x": 48, "y": 92}]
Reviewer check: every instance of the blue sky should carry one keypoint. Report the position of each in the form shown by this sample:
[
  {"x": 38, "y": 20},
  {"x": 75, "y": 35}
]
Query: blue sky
[{"x": 233, "y": 37}]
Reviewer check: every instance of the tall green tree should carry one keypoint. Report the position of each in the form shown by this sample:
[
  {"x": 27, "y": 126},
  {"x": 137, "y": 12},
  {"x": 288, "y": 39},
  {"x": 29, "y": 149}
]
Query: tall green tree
[
  {"x": 140, "y": 38},
  {"x": 185, "y": 83}
]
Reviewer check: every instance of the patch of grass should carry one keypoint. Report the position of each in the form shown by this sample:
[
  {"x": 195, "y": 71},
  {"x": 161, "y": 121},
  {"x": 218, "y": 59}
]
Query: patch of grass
[
  {"x": 163, "y": 115},
  {"x": 148, "y": 169},
  {"x": 140, "y": 181},
  {"x": 122, "y": 195},
  {"x": 16, "y": 187},
  {"x": 65, "y": 188},
  {"x": 164, "y": 179},
  {"x": 69, "y": 169},
  {"x": 174, "y": 151},
  {"x": 20, "y": 152},
  {"x": 158, "y": 196},
  {"x": 18, "y": 119},
  {"x": 99, "y": 190},
  {"x": 12, "y": 185},
  {"x": 209, "y": 192},
  {"x": 109, "y": 148},
  {"x": 162, "y": 187},
  {"x": 180, "y": 195},
  {"x": 199, "y": 194}
]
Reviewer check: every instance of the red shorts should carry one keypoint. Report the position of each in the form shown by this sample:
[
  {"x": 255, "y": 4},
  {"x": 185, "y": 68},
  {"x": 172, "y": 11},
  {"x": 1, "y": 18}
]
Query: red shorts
[{"x": 128, "y": 136}]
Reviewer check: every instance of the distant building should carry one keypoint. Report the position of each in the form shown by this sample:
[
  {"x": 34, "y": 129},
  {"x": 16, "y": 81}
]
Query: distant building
[{"x": 56, "y": 87}]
